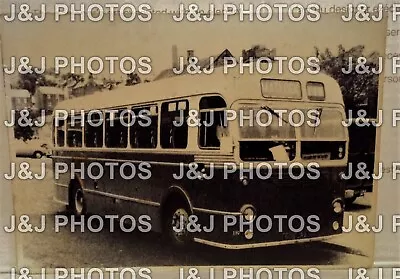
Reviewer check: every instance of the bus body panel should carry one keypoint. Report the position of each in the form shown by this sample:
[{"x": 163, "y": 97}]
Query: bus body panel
[{"x": 222, "y": 195}]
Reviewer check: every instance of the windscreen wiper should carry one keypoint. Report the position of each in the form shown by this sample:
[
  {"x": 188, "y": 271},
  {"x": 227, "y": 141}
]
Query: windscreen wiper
[
  {"x": 274, "y": 113},
  {"x": 319, "y": 110}
]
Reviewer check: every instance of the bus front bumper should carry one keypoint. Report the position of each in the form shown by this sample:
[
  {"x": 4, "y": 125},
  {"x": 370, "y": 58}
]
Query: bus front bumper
[
  {"x": 351, "y": 193},
  {"x": 243, "y": 237},
  {"x": 262, "y": 244}
]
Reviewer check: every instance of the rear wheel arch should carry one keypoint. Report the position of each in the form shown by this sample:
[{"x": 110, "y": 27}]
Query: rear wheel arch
[
  {"x": 76, "y": 185},
  {"x": 75, "y": 182},
  {"x": 175, "y": 195},
  {"x": 176, "y": 209}
]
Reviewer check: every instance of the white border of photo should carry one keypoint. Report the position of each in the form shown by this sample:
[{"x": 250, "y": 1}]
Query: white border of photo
[{"x": 387, "y": 243}]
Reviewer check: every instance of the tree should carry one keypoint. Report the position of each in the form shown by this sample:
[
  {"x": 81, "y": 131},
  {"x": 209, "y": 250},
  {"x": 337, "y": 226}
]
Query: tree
[
  {"x": 356, "y": 88},
  {"x": 71, "y": 79},
  {"x": 30, "y": 81},
  {"x": 258, "y": 51},
  {"x": 110, "y": 84},
  {"x": 132, "y": 79},
  {"x": 24, "y": 132}
]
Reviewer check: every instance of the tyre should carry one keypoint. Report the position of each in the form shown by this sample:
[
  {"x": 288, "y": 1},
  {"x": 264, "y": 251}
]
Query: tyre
[
  {"x": 175, "y": 225},
  {"x": 37, "y": 154},
  {"x": 77, "y": 202}
]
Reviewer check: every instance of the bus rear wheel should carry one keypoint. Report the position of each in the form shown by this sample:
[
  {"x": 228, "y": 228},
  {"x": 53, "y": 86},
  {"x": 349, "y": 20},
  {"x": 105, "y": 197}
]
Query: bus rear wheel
[
  {"x": 176, "y": 225},
  {"x": 77, "y": 202}
]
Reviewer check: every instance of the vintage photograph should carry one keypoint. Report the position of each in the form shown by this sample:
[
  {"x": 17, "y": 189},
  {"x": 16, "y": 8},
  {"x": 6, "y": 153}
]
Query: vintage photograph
[{"x": 158, "y": 142}]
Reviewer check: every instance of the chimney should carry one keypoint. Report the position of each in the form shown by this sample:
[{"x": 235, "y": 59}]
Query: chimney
[
  {"x": 244, "y": 54},
  {"x": 190, "y": 54},
  {"x": 175, "y": 61},
  {"x": 273, "y": 53}
]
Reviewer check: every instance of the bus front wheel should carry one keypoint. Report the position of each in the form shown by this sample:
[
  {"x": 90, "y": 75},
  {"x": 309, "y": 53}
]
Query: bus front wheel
[
  {"x": 350, "y": 201},
  {"x": 77, "y": 203},
  {"x": 176, "y": 225}
]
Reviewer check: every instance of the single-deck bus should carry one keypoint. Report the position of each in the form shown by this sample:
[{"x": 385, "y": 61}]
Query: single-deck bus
[{"x": 216, "y": 149}]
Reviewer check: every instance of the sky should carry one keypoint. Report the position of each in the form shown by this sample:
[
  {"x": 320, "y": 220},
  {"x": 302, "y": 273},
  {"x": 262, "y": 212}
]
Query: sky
[{"x": 156, "y": 37}]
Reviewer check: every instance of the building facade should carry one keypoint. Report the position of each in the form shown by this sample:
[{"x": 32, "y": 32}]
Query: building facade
[
  {"x": 47, "y": 97},
  {"x": 19, "y": 99}
]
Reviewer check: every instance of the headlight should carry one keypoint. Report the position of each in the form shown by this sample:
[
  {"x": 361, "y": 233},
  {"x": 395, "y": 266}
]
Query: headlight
[
  {"x": 340, "y": 153},
  {"x": 245, "y": 180},
  {"x": 335, "y": 225},
  {"x": 248, "y": 212},
  {"x": 248, "y": 234},
  {"x": 337, "y": 206}
]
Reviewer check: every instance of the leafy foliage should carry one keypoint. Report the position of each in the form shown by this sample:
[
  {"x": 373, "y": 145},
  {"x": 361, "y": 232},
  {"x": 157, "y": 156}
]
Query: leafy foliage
[
  {"x": 30, "y": 81},
  {"x": 257, "y": 51},
  {"x": 110, "y": 84},
  {"x": 24, "y": 132},
  {"x": 356, "y": 88},
  {"x": 133, "y": 79},
  {"x": 71, "y": 79}
]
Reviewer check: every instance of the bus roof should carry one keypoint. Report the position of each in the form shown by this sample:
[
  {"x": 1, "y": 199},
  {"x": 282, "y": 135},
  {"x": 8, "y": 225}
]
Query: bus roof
[{"x": 231, "y": 85}]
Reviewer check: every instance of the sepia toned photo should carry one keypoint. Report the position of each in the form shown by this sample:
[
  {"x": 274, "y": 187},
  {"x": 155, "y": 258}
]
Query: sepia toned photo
[{"x": 158, "y": 141}]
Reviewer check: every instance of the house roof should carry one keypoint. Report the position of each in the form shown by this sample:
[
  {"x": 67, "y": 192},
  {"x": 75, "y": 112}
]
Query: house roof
[
  {"x": 83, "y": 84},
  {"x": 51, "y": 90},
  {"x": 79, "y": 84},
  {"x": 18, "y": 93},
  {"x": 202, "y": 63}
]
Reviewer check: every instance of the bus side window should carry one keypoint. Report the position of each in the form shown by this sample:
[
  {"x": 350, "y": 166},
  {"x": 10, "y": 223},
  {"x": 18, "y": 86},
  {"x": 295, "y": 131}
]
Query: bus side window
[
  {"x": 213, "y": 130},
  {"x": 143, "y": 133},
  {"x": 53, "y": 134},
  {"x": 60, "y": 130},
  {"x": 74, "y": 132},
  {"x": 94, "y": 129},
  {"x": 117, "y": 129},
  {"x": 174, "y": 129}
]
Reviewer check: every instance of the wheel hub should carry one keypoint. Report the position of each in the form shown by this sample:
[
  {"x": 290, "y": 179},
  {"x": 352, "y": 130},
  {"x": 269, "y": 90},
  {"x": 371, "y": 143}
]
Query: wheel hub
[
  {"x": 79, "y": 201},
  {"x": 180, "y": 220}
]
